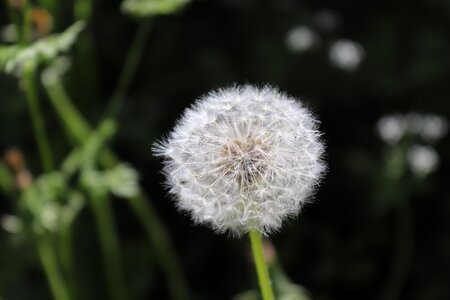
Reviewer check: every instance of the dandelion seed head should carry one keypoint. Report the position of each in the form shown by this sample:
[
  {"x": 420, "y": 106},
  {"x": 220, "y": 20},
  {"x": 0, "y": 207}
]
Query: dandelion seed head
[{"x": 243, "y": 158}]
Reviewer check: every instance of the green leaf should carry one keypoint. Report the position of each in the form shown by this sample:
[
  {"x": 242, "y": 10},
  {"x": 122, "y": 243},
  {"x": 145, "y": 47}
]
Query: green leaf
[
  {"x": 14, "y": 57},
  {"x": 145, "y": 8}
]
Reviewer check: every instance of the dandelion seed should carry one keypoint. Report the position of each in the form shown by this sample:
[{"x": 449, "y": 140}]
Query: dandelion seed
[{"x": 243, "y": 158}]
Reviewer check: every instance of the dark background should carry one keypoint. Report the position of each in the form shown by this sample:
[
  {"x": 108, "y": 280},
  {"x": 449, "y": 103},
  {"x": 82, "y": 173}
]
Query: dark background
[{"x": 342, "y": 246}]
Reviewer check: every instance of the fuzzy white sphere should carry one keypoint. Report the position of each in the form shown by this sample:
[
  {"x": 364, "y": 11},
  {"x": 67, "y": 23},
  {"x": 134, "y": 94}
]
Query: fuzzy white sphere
[{"x": 243, "y": 158}]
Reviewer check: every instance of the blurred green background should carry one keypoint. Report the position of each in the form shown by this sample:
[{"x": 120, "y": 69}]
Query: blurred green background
[{"x": 376, "y": 73}]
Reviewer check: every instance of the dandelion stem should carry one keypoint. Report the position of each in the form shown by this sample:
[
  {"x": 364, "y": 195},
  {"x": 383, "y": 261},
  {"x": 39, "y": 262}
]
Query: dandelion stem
[
  {"x": 261, "y": 265},
  {"x": 36, "y": 116},
  {"x": 50, "y": 264}
]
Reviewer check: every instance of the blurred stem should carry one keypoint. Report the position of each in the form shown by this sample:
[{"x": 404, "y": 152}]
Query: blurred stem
[
  {"x": 48, "y": 5},
  {"x": 76, "y": 126},
  {"x": 82, "y": 9},
  {"x": 404, "y": 245},
  {"x": 7, "y": 181},
  {"x": 141, "y": 205},
  {"x": 14, "y": 16},
  {"x": 66, "y": 254},
  {"x": 130, "y": 67},
  {"x": 26, "y": 26},
  {"x": 261, "y": 265},
  {"x": 158, "y": 237},
  {"x": 36, "y": 116},
  {"x": 50, "y": 264},
  {"x": 109, "y": 244}
]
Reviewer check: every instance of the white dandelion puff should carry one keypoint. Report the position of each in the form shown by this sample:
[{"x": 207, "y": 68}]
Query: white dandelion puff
[{"x": 243, "y": 158}]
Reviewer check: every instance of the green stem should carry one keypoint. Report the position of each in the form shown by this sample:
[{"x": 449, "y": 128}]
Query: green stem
[
  {"x": 403, "y": 255},
  {"x": 66, "y": 255},
  {"x": 158, "y": 237},
  {"x": 26, "y": 27},
  {"x": 261, "y": 266},
  {"x": 109, "y": 244},
  {"x": 76, "y": 126},
  {"x": 153, "y": 226},
  {"x": 36, "y": 117},
  {"x": 50, "y": 264},
  {"x": 14, "y": 16},
  {"x": 130, "y": 67}
]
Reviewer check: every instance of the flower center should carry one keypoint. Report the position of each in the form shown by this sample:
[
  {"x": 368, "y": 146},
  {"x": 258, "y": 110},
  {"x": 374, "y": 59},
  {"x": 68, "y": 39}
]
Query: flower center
[{"x": 245, "y": 159}]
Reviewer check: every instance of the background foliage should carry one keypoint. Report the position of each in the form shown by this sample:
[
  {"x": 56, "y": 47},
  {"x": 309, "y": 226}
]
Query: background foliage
[{"x": 379, "y": 230}]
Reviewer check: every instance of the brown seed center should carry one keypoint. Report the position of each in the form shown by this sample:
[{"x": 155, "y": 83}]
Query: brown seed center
[{"x": 245, "y": 159}]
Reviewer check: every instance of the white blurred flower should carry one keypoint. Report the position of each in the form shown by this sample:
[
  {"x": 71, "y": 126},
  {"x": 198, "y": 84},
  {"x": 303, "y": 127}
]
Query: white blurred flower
[
  {"x": 8, "y": 34},
  {"x": 433, "y": 127},
  {"x": 243, "y": 158},
  {"x": 346, "y": 54},
  {"x": 429, "y": 127},
  {"x": 301, "y": 39},
  {"x": 391, "y": 128},
  {"x": 11, "y": 224},
  {"x": 422, "y": 159}
]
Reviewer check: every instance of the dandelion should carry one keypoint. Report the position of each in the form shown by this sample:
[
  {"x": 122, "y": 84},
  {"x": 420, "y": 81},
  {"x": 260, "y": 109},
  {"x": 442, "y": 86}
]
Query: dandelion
[{"x": 242, "y": 160}]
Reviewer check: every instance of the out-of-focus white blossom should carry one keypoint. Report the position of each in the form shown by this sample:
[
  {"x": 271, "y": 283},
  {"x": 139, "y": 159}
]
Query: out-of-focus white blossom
[
  {"x": 8, "y": 34},
  {"x": 346, "y": 54},
  {"x": 433, "y": 127},
  {"x": 430, "y": 127},
  {"x": 301, "y": 38},
  {"x": 391, "y": 128},
  {"x": 11, "y": 223},
  {"x": 243, "y": 158},
  {"x": 422, "y": 159}
]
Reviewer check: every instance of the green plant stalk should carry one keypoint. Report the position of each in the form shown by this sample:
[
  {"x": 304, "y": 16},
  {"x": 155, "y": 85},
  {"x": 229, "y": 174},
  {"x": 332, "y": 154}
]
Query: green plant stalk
[
  {"x": 66, "y": 254},
  {"x": 158, "y": 236},
  {"x": 261, "y": 265},
  {"x": 26, "y": 27},
  {"x": 48, "y": 257},
  {"x": 13, "y": 15},
  {"x": 48, "y": 5},
  {"x": 36, "y": 117},
  {"x": 109, "y": 244},
  {"x": 77, "y": 127},
  {"x": 82, "y": 9},
  {"x": 403, "y": 255},
  {"x": 7, "y": 184},
  {"x": 130, "y": 67}
]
